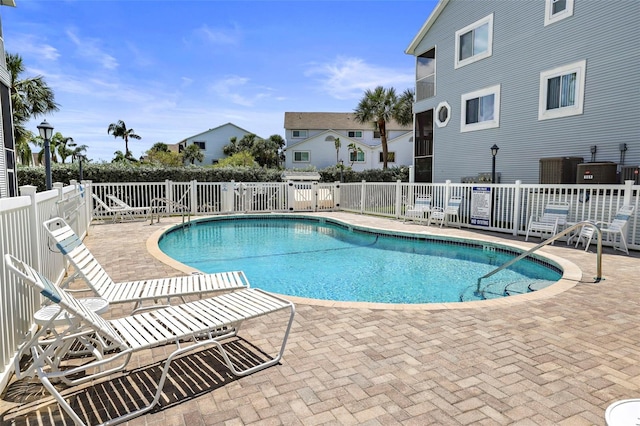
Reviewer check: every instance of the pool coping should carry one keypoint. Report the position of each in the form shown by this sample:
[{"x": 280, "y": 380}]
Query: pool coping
[{"x": 572, "y": 274}]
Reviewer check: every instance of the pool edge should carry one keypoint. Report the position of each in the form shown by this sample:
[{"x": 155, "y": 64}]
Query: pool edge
[{"x": 572, "y": 274}]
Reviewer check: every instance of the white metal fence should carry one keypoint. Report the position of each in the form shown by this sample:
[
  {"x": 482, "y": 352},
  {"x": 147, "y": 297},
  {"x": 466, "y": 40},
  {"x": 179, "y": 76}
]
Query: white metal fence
[{"x": 22, "y": 234}]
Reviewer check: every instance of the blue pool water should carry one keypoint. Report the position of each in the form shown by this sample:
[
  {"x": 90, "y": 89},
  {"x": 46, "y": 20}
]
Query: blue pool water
[{"x": 323, "y": 260}]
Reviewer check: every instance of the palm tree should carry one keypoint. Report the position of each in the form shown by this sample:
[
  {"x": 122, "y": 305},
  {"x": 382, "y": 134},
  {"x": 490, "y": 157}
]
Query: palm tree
[
  {"x": 119, "y": 130},
  {"x": 337, "y": 144},
  {"x": 64, "y": 146},
  {"x": 355, "y": 149},
  {"x": 192, "y": 153},
  {"x": 30, "y": 97},
  {"x": 381, "y": 106}
]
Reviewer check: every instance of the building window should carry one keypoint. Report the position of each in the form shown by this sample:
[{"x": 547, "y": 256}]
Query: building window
[
  {"x": 299, "y": 133},
  {"x": 474, "y": 42},
  {"x": 376, "y": 134},
  {"x": 557, "y": 10},
  {"x": 354, "y": 133},
  {"x": 199, "y": 144},
  {"x": 562, "y": 91},
  {"x": 443, "y": 114},
  {"x": 426, "y": 75},
  {"x": 391, "y": 157},
  {"x": 356, "y": 156},
  {"x": 480, "y": 109},
  {"x": 300, "y": 156}
]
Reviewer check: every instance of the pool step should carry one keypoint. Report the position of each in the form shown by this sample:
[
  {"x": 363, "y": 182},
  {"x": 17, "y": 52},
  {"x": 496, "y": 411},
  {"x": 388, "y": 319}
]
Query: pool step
[{"x": 499, "y": 290}]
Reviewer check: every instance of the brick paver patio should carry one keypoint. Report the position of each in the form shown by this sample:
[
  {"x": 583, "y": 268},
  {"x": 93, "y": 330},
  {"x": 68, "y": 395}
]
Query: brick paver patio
[{"x": 559, "y": 360}]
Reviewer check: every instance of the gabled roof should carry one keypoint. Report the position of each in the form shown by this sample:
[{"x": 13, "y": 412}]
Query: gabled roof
[
  {"x": 216, "y": 128},
  {"x": 425, "y": 28},
  {"x": 331, "y": 120}
]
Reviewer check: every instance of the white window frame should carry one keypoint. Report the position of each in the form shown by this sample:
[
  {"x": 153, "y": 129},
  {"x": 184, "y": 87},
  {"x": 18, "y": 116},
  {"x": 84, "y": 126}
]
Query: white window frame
[
  {"x": 302, "y": 134},
  {"x": 355, "y": 132},
  {"x": 441, "y": 105},
  {"x": 481, "y": 125},
  {"x": 550, "y": 17},
  {"x": 364, "y": 156},
  {"x": 580, "y": 69},
  {"x": 301, "y": 152},
  {"x": 486, "y": 20}
]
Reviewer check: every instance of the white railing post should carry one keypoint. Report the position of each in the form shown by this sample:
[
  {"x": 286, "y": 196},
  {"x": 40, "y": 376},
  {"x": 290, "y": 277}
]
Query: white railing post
[
  {"x": 628, "y": 192},
  {"x": 169, "y": 193},
  {"x": 515, "y": 226},
  {"x": 336, "y": 195},
  {"x": 291, "y": 196},
  {"x": 194, "y": 197},
  {"x": 362, "y": 196},
  {"x": 34, "y": 234},
  {"x": 447, "y": 192},
  {"x": 226, "y": 195},
  {"x": 314, "y": 195},
  {"x": 398, "y": 208},
  {"x": 88, "y": 202}
]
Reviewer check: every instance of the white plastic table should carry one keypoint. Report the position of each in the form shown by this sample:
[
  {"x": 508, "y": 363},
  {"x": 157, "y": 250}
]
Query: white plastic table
[
  {"x": 623, "y": 413},
  {"x": 43, "y": 315}
]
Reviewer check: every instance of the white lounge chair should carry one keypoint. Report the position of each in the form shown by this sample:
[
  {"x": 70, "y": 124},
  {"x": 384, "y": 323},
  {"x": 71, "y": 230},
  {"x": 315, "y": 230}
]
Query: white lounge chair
[
  {"x": 444, "y": 216},
  {"x": 189, "y": 326},
  {"x": 616, "y": 230},
  {"x": 87, "y": 267},
  {"x": 420, "y": 209},
  {"x": 117, "y": 212},
  {"x": 585, "y": 236},
  {"x": 553, "y": 217}
]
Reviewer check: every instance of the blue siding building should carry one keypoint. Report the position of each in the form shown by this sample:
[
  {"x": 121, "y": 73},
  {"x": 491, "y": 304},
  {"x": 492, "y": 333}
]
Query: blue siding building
[{"x": 537, "y": 78}]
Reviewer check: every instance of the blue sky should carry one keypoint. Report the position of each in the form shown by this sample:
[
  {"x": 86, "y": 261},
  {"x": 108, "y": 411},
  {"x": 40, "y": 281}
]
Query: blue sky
[{"x": 173, "y": 69}]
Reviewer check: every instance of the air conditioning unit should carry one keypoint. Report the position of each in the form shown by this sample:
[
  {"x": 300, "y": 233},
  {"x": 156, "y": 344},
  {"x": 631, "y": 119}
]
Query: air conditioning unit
[
  {"x": 630, "y": 173},
  {"x": 597, "y": 173}
]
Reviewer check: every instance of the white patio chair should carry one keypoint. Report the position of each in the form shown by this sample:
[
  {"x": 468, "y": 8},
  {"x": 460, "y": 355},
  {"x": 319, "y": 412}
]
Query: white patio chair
[
  {"x": 116, "y": 212},
  {"x": 616, "y": 230},
  {"x": 553, "y": 217},
  {"x": 451, "y": 211},
  {"x": 87, "y": 267},
  {"x": 585, "y": 236},
  {"x": 189, "y": 326},
  {"x": 421, "y": 209}
]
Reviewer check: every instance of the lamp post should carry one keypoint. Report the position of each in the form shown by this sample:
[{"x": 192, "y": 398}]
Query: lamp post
[
  {"x": 494, "y": 152},
  {"x": 341, "y": 168},
  {"x": 46, "y": 132}
]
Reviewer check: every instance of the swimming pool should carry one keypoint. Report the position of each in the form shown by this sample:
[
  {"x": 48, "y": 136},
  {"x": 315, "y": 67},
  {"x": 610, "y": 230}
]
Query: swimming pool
[{"x": 325, "y": 259}]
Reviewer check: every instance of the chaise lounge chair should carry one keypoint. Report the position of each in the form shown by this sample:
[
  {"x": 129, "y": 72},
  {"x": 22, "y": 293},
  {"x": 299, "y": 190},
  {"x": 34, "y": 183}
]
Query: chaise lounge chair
[
  {"x": 553, "y": 217},
  {"x": 202, "y": 323},
  {"x": 117, "y": 212},
  {"x": 87, "y": 267},
  {"x": 616, "y": 230}
]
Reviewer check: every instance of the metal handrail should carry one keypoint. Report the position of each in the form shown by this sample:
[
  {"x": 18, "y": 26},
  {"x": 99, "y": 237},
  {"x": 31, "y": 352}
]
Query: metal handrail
[
  {"x": 169, "y": 203},
  {"x": 551, "y": 240}
]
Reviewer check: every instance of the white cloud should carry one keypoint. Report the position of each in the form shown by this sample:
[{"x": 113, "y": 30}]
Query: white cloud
[
  {"x": 348, "y": 78},
  {"x": 219, "y": 36},
  {"x": 30, "y": 45},
  {"x": 231, "y": 88},
  {"x": 89, "y": 49}
]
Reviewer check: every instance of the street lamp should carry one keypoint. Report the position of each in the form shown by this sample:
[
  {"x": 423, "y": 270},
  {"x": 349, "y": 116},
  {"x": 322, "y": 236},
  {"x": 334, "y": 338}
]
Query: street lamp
[
  {"x": 80, "y": 158},
  {"x": 46, "y": 132},
  {"x": 341, "y": 168},
  {"x": 494, "y": 152}
]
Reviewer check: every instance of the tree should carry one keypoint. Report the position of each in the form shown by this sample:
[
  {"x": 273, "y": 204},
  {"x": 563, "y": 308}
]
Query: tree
[
  {"x": 192, "y": 153},
  {"x": 23, "y": 150},
  {"x": 380, "y": 106},
  {"x": 337, "y": 144},
  {"x": 355, "y": 150},
  {"x": 30, "y": 97},
  {"x": 119, "y": 157},
  {"x": 159, "y": 153},
  {"x": 63, "y": 146},
  {"x": 267, "y": 152},
  {"x": 159, "y": 147},
  {"x": 239, "y": 159},
  {"x": 119, "y": 130}
]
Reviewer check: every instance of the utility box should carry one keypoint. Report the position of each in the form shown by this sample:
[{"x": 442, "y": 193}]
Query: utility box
[
  {"x": 597, "y": 173},
  {"x": 561, "y": 170},
  {"x": 630, "y": 173}
]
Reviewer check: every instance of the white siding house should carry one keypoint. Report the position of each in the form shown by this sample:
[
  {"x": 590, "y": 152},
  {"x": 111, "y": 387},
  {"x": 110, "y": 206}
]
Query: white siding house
[
  {"x": 213, "y": 140},
  {"x": 540, "y": 79},
  {"x": 311, "y": 139}
]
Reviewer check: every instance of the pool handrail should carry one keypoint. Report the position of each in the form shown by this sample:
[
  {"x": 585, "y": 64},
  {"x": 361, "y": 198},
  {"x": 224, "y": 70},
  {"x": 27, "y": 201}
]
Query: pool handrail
[{"x": 551, "y": 240}]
